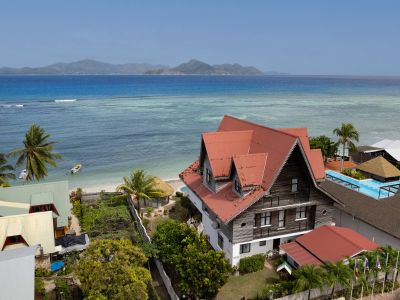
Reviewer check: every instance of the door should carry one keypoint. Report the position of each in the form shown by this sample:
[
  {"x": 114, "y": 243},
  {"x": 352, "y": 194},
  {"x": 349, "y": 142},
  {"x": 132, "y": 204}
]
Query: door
[{"x": 276, "y": 244}]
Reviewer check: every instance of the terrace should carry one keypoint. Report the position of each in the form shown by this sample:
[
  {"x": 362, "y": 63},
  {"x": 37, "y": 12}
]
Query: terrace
[{"x": 370, "y": 187}]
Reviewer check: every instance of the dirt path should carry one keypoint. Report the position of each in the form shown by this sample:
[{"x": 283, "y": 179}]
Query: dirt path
[{"x": 75, "y": 224}]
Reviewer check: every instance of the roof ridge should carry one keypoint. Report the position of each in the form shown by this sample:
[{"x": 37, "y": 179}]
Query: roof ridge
[
  {"x": 226, "y": 131},
  {"x": 258, "y": 125}
]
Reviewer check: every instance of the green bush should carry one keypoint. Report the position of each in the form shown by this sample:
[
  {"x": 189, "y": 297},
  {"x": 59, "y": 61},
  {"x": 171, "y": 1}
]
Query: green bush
[
  {"x": 62, "y": 288},
  {"x": 39, "y": 287},
  {"x": 252, "y": 264},
  {"x": 42, "y": 272},
  {"x": 179, "y": 194},
  {"x": 353, "y": 173}
]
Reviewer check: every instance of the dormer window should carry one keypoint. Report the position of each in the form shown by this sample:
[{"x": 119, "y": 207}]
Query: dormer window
[
  {"x": 294, "y": 185},
  {"x": 238, "y": 188},
  {"x": 208, "y": 175}
]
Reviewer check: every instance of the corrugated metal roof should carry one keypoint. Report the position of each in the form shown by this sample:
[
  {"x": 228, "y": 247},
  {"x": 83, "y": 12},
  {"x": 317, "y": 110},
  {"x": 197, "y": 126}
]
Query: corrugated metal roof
[
  {"x": 250, "y": 168},
  {"x": 24, "y": 193},
  {"x": 327, "y": 244}
]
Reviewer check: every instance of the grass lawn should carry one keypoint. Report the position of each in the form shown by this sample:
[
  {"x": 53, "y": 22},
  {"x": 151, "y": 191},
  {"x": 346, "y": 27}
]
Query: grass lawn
[{"x": 246, "y": 285}]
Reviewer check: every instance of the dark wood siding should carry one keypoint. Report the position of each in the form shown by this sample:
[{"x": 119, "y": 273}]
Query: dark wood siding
[{"x": 283, "y": 197}]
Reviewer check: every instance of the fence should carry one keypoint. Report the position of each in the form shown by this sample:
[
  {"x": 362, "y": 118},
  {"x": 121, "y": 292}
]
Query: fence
[{"x": 146, "y": 237}]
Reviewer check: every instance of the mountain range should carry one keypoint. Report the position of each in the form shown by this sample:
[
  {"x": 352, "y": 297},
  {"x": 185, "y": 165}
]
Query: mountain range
[{"x": 93, "y": 67}]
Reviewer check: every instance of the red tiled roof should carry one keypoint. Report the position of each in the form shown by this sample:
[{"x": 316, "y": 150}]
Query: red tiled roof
[
  {"x": 299, "y": 254},
  {"x": 221, "y": 146},
  {"x": 250, "y": 168},
  {"x": 236, "y": 137},
  {"x": 329, "y": 244}
]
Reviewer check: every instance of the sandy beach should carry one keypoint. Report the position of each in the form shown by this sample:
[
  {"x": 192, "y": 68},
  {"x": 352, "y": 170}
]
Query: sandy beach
[{"x": 176, "y": 183}]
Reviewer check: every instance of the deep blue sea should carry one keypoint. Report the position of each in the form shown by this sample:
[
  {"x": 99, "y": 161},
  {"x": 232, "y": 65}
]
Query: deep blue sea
[{"x": 117, "y": 123}]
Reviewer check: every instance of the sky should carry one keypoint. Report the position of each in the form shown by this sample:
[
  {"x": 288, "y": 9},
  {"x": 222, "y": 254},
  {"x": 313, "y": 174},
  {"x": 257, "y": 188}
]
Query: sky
[{"x": 342, "y": 37}]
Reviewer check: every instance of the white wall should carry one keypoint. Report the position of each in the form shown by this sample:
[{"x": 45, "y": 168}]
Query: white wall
[
  {"x": 345, "y": 220},
  {"x": 17, "y": 273},
  {"x": 255, "y": 247}
]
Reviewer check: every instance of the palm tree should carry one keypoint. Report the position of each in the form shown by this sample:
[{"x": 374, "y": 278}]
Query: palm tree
[
  {"x": 347, "y": 133},
  {"x": 307, "y": 278},
  {"x": 338, "y": 273},
  {"x": 36, "y": 154},
  {"x": 5, "y": 171},
  {"x": 141, "y": 185},
  {"x": 327, "y": 146}
]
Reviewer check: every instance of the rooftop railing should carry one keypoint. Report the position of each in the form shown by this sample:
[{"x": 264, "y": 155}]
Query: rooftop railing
[{"x": 343, "y": 182}]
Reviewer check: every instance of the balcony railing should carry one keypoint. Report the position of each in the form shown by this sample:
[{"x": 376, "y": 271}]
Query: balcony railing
[
  {"x": 284, "y": 199},
  {"x": 263, "y": 232}
]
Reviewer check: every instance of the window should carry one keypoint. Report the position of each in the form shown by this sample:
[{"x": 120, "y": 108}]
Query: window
[
  {"x": 208, "y": 175},
  {"x": 205, "y": 209},
  {"x": 324, "y": 212},
  {"x": 220, "y": 241},
  {"x": 301, "y": 212},
  {"x": 281, "y": 219},
  {"x": 262, "y": 219},
  {"x": 238, "y": 188},
  {"x": 263, "y": 243},
  {"x": 12, "y": 240},
  {"x": 243, "y": 224},
  {"x": 245, "y": 248},
  {"x": 294, "y": 185}
]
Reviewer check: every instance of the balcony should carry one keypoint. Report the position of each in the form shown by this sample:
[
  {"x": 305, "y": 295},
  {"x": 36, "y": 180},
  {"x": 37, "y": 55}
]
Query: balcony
[
  {"x": 285, "y": 199},
  {"x": 264, "y": 232}
]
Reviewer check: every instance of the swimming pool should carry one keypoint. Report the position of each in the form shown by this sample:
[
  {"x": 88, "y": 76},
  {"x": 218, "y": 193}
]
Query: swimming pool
[
  {"x": 369, "y": 187},
  {"x": 184, "y": 190}
]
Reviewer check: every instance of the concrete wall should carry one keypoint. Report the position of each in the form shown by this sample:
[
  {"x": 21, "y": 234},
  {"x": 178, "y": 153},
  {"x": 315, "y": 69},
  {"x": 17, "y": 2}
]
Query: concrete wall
[
  {"x": 17, "y": 273},
  {"x": 372, "y": 233}
]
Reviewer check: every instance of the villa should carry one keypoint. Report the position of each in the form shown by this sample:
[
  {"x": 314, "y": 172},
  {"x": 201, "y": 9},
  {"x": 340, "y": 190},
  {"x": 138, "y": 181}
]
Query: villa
[
  {"x": 38, "y": 197},
  {"x": 389, "y": 149},
  {"x": 257, "y": 187}
]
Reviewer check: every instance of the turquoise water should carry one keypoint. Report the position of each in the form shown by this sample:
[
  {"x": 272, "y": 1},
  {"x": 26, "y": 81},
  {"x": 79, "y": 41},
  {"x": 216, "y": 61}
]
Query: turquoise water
[
  {"x": 369, "y": 187},
  {"x": 118, "y": 123}
]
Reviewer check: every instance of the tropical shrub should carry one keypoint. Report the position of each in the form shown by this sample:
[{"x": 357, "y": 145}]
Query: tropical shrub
[
  {"x": 113, "y": 269},
  {"x": 353, "y": 173},
  {"x": 252, "y": 263},
  {"x": 200, "y": 271},
  {"x": 39, "y": 287},
  {"x": 280, "y": 289},
  {"x": 42, "y": 272},
  {"x": 63, "y": 288}
]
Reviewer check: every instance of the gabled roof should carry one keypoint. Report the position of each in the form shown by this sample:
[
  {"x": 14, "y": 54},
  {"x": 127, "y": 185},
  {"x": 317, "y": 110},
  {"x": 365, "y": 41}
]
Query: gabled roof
[
  {"x": 250, "y": 168},
  {"x": 391, "y": 146},
  {"x": 221, "y": 146},
  {"x": 327, "y": 244},
  {"x": 35, "y": 194},
  {"x": 34, "y": 228},
  {"x": 379, "y": 166},
  {"x": 269, "y": 148}
]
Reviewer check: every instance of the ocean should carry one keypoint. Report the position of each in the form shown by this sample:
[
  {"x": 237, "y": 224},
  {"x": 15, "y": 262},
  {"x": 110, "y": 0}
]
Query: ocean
[{"x": 114, "y": 124}]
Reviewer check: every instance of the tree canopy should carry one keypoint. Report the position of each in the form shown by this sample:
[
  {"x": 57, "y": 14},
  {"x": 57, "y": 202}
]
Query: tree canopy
[
  {"x": 201, "y": 270},
  {"x": 327, "y": 146},
  {"x": 141, "y": 185},
  {"x": 37, "y": 153},
  {"x": 6, "y": 171},
  {"x": 112, "y": 269}
]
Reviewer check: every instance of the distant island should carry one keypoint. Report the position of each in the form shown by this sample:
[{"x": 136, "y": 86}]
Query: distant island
[
  {"x": 196, "y": 67},
  {"x": 93, "y": 67}
]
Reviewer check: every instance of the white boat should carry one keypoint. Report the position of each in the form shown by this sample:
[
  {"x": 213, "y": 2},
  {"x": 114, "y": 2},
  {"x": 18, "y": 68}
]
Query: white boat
[
  {"x": 23, "y": 174},
  {"x": 75, "y": 169}
]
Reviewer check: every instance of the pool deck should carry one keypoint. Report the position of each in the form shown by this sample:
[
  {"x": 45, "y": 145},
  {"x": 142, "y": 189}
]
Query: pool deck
[{"x": 335, "y": 165}]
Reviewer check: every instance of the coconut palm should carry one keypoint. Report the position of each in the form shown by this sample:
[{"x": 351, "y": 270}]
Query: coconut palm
[
  {"x": 141, "y": 185},
  {"x": 37, "y": 153},
  {"x": 307, "y": 278},
  {"x": 5, "y": 171},
  {"x": 327, "y": 146},
  {"x": 347, "y": 135},
  {"x": 337, "y": 273}
]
